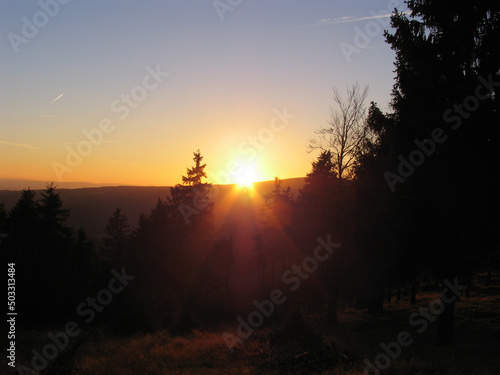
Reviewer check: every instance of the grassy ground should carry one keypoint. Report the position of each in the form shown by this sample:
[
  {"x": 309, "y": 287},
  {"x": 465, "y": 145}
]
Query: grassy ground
[{"x": 336, "y": 351}]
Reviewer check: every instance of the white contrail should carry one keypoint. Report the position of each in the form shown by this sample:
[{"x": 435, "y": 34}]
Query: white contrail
[
  {"x": 19, "y": 145},
  {"x": 59, "y": 97},
  {"x": 372, "y": 17},
  {"x": 346, "y": 19}
]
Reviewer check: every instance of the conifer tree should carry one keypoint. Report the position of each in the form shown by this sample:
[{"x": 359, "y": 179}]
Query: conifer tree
[
  {"x": 447, "y": 65},
  {"x": 116, "y": 242}
]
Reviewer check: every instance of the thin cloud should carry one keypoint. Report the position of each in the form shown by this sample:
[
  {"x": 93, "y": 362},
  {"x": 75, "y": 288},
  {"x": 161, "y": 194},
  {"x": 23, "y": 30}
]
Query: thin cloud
[
  {"x": 59, "y": 97},
  {"x": 110, "y": 141},
  {"x": 335, "y": 20},
  {"x": 119, "y": 162},
  {"x": 347, "y": 19},
  {"x": 20, "y": 145},
  {"x": 351, "y": 19}
]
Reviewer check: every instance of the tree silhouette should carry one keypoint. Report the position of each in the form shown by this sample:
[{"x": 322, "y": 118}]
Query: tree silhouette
[
  {"x": 260, "y": 257},
  {"x": 326, "y": 202},
  {"x": 276, "y": 228},
  {"x": 171, "y": 245},
  {"x": 24, "y": 218},
  {"x": 23, "y": 227},
  {"x": 318, "y": 214},
  {"x": 317, "y": 201},
  {"x": 83, "y": 266},
  {"x": 214, "y": 284},
  {"x": 47, "y": 255},
  {"x": 442, "y": 59},
  {"x": 194, "y": 210},
  {"x": 279, "y": 196},
  {"x": 3, "y": 222},
  {"x": 115, "y": 244},
  {"x": 3, "y": 215},
  {"x": 381, "y": 230},
  {"x": 193, "y": 196},
  {"x": 196, "y": 173},
  {"x": 346, "y": 131},
  {"x": 319, "y": 183},
  {"x": 53, "y": 215}
]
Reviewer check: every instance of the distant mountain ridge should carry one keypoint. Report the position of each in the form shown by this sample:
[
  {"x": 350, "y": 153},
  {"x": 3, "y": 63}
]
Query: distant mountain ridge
[
  {"x": 20, "y": 184},
  {"x": 91, "y": 207}
]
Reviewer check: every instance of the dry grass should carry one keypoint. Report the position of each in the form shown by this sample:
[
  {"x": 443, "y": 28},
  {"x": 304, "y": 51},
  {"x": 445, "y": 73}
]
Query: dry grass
[
  {"x": 159, "y": 353},
  {"x": 338, "y": 351}
]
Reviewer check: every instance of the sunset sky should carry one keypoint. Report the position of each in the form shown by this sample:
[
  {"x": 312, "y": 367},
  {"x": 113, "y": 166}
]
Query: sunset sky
[{"x": 152, "y": 81}]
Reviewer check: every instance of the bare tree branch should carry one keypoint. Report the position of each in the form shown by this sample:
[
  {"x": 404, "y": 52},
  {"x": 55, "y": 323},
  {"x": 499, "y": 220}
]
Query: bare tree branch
[{"x": 346, "y": 131}]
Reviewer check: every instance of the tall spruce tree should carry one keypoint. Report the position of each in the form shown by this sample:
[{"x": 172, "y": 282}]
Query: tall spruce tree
[
  {"x": 447, "y": 67},
  {"x": 116, "y": 242}
]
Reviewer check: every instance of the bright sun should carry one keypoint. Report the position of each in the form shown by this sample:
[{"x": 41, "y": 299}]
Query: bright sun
[{"x": 247, "y": 176}]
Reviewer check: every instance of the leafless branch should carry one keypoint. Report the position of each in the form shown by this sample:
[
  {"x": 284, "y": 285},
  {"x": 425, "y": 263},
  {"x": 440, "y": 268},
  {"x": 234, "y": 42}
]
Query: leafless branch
[{"x": 346, "y": 131}]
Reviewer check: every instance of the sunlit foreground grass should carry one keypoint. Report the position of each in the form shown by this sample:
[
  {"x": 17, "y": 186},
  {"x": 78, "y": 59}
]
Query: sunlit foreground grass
[
  {"x": 338, "y": 350},
  {"x": 197, "y": 353}
]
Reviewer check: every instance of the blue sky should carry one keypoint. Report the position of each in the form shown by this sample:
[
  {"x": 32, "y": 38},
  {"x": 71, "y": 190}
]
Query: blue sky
[{"x": 225, "y": 78}]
